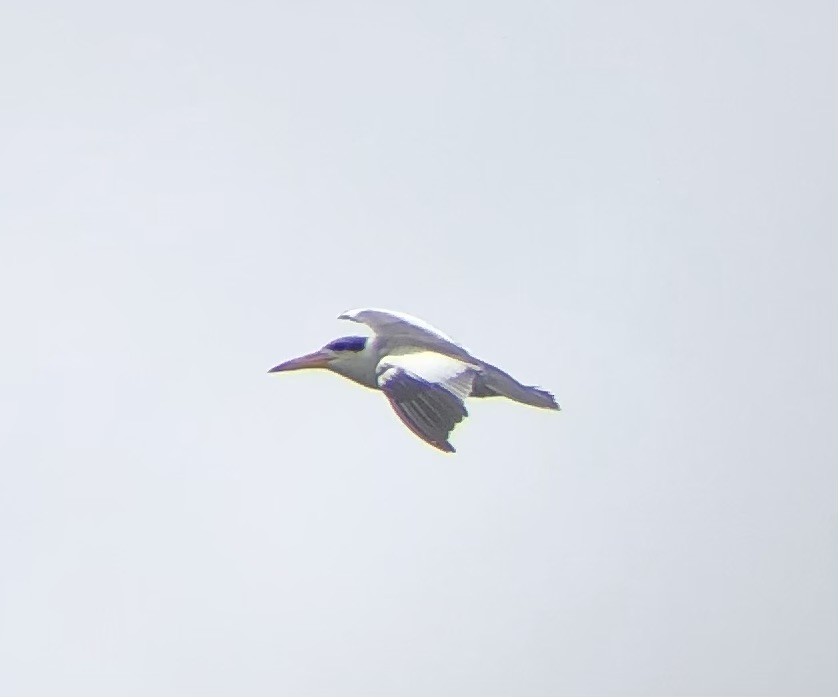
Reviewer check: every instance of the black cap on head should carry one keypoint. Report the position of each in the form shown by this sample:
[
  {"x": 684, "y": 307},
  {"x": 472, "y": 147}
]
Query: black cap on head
[{"x": 348, "y": 343}]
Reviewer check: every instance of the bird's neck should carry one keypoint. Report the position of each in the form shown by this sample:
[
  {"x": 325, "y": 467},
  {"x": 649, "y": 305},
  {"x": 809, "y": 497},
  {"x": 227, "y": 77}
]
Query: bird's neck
[{"x": 361, "y": 366}]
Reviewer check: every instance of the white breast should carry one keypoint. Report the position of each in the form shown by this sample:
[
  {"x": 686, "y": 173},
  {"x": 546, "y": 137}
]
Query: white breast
[{"x": 454, "y": 375}]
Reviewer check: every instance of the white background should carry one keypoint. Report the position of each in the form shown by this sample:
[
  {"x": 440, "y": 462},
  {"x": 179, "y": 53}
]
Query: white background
[{"x": 631, "y": 204}]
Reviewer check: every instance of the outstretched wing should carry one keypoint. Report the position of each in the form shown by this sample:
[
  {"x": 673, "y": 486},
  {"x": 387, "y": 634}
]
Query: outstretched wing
[
  {"x": 427, "y": 390},
  {"x": 389, "y": 323}
]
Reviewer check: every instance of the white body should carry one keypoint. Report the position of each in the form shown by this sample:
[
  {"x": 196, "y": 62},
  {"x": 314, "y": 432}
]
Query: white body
[{"x": 424, "y": 374}]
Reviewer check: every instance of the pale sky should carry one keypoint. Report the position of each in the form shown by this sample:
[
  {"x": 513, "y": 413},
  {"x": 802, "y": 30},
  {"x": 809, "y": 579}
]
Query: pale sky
[{"x": 631, "y": 204}]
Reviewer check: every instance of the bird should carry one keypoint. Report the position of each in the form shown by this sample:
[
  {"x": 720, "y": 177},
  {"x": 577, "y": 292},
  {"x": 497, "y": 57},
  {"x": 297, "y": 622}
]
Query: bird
[{"x": 424, "y": 374}]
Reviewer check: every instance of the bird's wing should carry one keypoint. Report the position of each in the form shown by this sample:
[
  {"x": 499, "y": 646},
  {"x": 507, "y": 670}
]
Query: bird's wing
[
  {"x": 391, "y": 323},
  {"x": 427, "y": 391}
]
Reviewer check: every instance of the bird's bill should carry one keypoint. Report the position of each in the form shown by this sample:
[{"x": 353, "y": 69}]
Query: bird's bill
[{"x": 318, "y": 359}]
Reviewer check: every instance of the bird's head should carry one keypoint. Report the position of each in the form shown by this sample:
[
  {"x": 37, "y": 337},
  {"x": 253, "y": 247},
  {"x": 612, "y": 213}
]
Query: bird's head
[{"x": 338, "y": 355}]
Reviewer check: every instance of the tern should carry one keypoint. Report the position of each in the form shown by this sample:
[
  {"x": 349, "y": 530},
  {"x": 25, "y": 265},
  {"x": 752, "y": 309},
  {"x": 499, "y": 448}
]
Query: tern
[{"x": 423, "y": 373}]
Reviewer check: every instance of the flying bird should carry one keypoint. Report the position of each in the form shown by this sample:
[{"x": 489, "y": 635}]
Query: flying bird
[{"x": 423, "y": 373}]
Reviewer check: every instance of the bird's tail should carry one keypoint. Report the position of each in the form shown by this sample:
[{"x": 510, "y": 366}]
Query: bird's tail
[{"x": 493, "y": 382}]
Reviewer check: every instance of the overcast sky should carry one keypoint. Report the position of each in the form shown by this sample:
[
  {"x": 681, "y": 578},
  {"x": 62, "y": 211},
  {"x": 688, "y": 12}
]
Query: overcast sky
[{"x": 631, "y": 204}]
